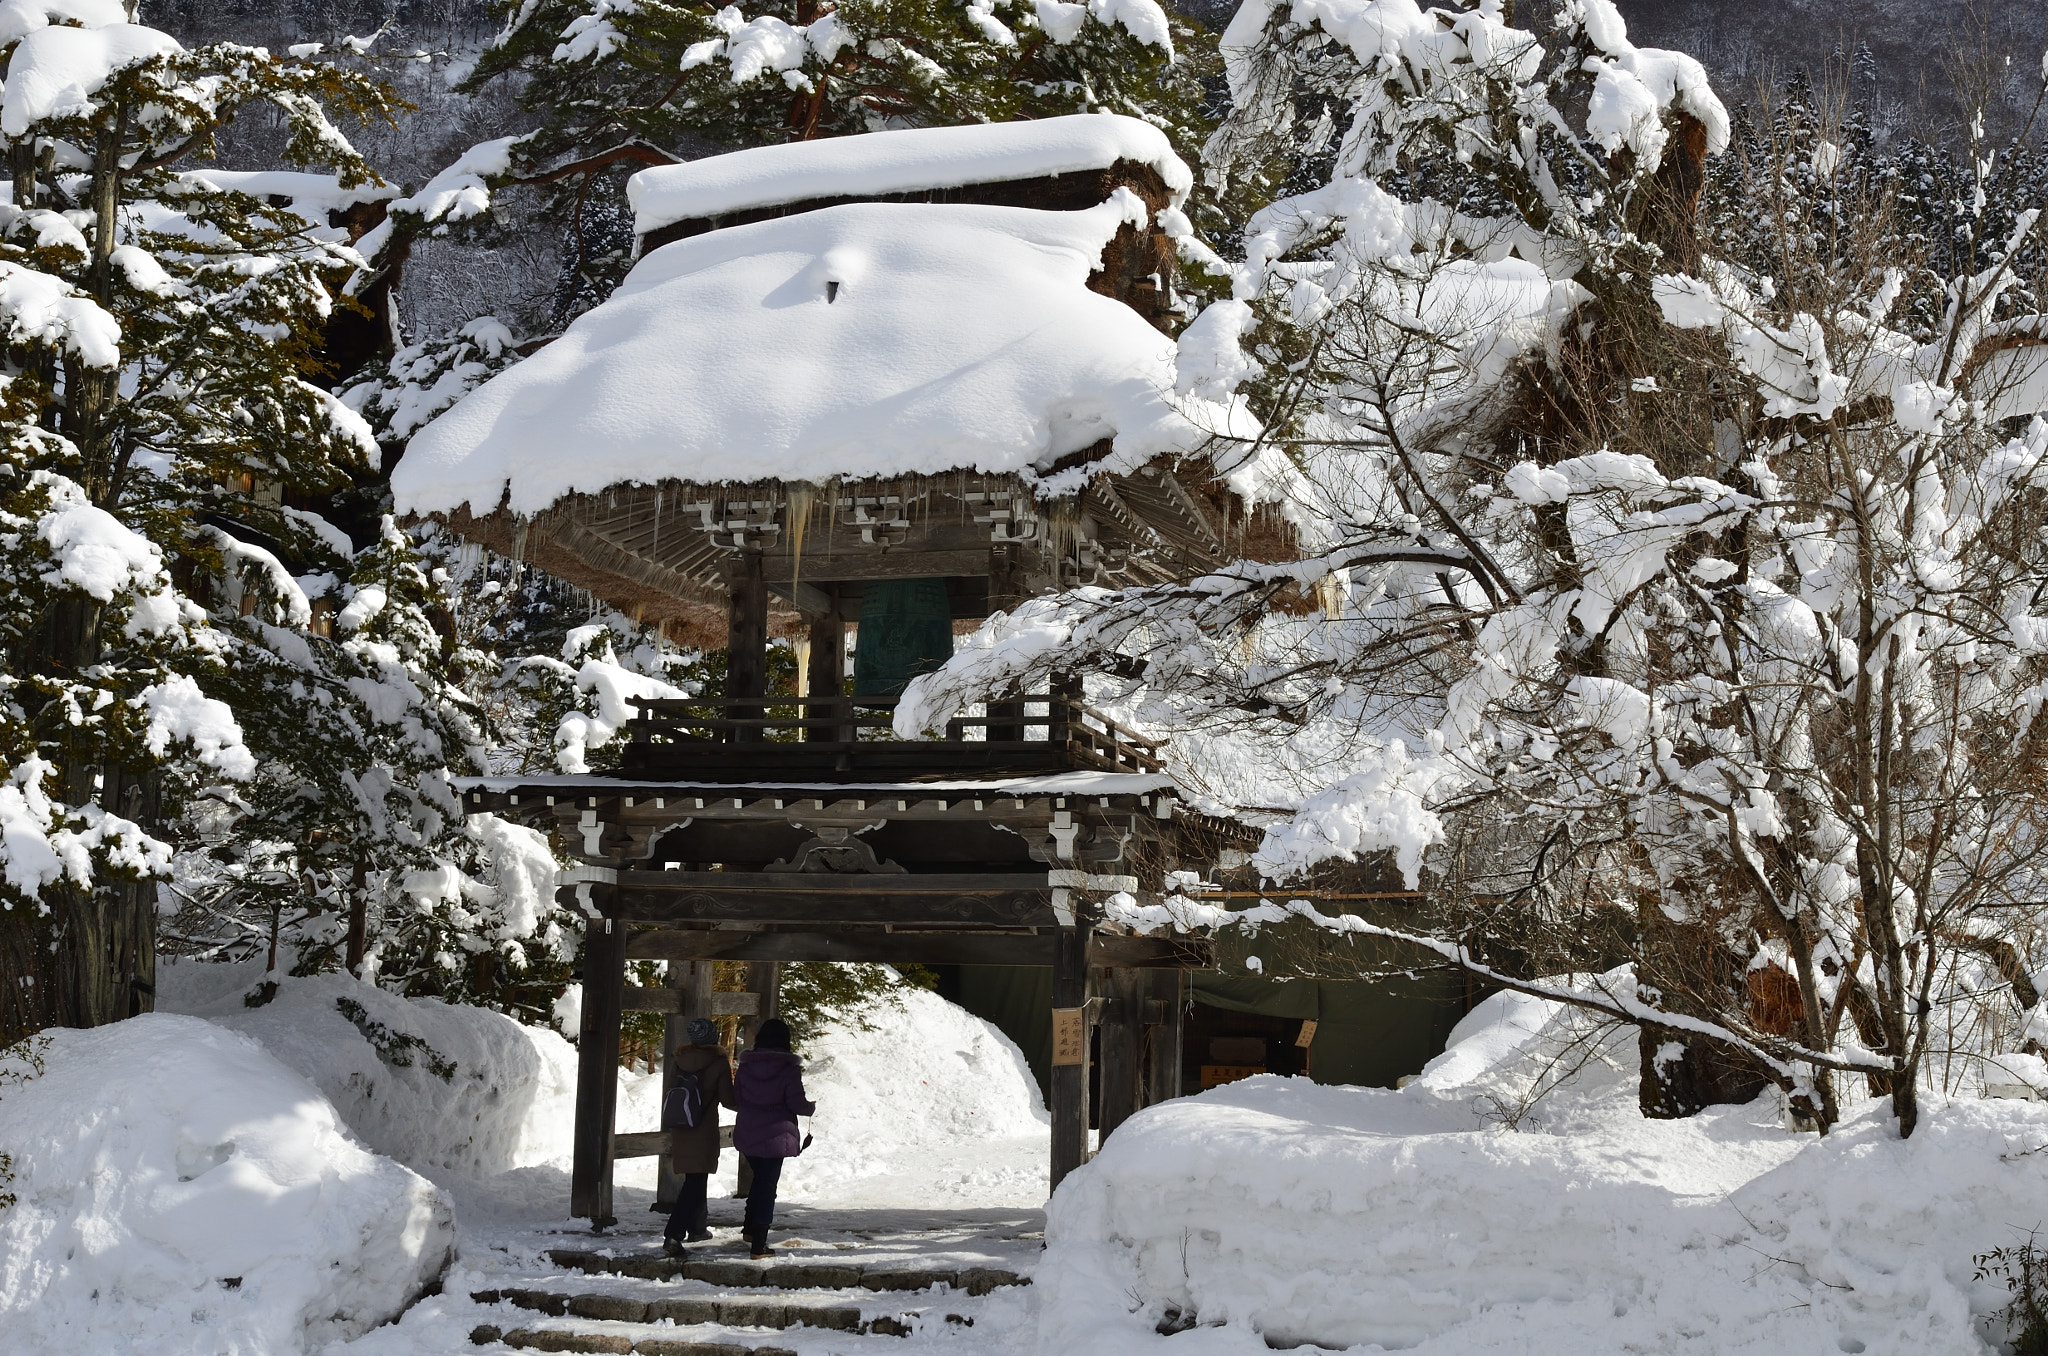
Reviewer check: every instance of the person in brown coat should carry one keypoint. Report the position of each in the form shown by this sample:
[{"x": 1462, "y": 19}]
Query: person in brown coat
[{"x": 694, "y": 1155}]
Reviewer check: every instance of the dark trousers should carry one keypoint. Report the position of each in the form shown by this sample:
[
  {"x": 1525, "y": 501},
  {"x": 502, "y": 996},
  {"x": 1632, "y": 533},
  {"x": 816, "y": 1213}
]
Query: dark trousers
[
  {"x": 691, "y": 1215},
  {"x": 761, "y": 1198}
]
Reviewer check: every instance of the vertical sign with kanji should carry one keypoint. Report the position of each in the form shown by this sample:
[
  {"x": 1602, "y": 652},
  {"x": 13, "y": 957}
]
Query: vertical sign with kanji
[{"x": 1069, "y": 1037}]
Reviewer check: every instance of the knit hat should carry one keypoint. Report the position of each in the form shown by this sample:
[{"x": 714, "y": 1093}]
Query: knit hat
[
  {"x": 703, "y": 1031},
  {"x": 773, "y": 1035}
]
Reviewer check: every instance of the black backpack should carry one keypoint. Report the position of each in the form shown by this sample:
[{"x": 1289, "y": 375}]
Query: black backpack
[{"x": 683, "y": 1108}]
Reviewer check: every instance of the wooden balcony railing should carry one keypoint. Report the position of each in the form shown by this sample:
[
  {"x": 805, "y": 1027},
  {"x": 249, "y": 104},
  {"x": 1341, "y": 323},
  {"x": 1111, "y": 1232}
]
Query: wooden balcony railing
[{"x": 851, "y": 738}]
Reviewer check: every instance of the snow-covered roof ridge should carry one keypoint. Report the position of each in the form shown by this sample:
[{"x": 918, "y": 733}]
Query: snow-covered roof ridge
[
  {"x": 905, "y": 161},
  {"x": 857, "y": 341}
]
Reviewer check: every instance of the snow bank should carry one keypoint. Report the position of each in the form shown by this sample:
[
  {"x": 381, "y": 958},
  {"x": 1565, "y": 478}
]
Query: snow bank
[
  {"x": 181, "y": 1191},
  {"x": 871, "y": 339},
  {"x": 506, "y": 1101},
  {"x": 1285, "y": 1213},
  {"x": 910, "y": 160}
]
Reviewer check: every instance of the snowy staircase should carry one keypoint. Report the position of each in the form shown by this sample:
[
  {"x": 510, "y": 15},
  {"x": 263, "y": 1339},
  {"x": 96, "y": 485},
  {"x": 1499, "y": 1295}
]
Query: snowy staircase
[{"x": 635, "y": 1301}]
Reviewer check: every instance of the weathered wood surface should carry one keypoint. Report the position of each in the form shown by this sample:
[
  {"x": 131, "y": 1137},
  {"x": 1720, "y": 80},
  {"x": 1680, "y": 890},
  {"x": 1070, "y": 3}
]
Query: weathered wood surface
[
  {"x": 827, "y": 900},
  {"x": 918, "y": 948},
  {"x": 1069, "y": 1082},
  {"x": 1122, "y": 1039},
  {"x": 648, "y": 1143},
  {"x": 678, "y": 1002},
  {"x": 597, "y": 1064}
]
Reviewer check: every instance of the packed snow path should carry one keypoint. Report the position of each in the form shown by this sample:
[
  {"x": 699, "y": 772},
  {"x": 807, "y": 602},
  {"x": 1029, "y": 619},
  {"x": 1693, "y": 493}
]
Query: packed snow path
[{"x": 842, "y": 1281}]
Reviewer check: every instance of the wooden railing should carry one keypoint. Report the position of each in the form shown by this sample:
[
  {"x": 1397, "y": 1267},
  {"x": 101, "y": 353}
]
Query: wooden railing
[{"x": 1034, "y": 732}]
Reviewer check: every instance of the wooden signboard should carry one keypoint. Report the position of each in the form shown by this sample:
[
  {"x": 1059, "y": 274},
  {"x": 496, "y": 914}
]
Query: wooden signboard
[
  {"x": 1308, "y": 1034},
  {"x": 1069, "y": 1037}
]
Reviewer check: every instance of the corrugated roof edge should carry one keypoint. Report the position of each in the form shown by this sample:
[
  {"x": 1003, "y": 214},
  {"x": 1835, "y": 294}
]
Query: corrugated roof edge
[{"x": 905, "y": 161}]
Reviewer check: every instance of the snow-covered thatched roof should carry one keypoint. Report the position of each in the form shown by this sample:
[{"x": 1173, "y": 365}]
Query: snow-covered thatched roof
[
  {"x": 913, "y": 160},
  {"x": 864, "y": 340}
]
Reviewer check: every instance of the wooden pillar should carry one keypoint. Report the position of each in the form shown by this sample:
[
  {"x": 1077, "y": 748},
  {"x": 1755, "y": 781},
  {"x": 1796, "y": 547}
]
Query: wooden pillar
[
  {"x": 1065, "y": 708},
  {"x": 674, "y": 1032},
  {"x": 597, "y": 1071},
  {"x": 827, "y": 677},
  {"x": 1165, "y": 1004},
  {"x": 1123, "y": 1047},
  {"x": 1069, "y": 1080},
  {"x": 746, "y": 663},
  {"x": 1006, "y": 589}
]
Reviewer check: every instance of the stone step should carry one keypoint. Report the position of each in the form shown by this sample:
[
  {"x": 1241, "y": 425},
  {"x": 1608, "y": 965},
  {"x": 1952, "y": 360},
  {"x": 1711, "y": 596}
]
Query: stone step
[
  {"x": 612, "y": 1344},
  {"x": 789, "y": 1275},
  {"x": 727, "y": 1311}
]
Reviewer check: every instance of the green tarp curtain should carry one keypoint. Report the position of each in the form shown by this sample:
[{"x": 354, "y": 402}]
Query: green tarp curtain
[{"x": 906, "y": 628}]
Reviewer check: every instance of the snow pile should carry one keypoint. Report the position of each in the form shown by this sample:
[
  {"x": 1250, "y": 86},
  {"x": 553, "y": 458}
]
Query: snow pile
[
  {"x": 1454, "y": 1216},
  {"x": 55, "y": 71},
  {"x": 434, "y": 1085},
  {"x": 872, "y": 339},
  {"x": 930, "y": 1105},
  {"x": 181, "y": 1191},
  {"x": 913, "y": 160}
]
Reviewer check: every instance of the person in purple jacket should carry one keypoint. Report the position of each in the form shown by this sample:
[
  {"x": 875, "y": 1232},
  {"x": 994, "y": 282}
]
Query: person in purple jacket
[{"x": 768, "y": 1094}]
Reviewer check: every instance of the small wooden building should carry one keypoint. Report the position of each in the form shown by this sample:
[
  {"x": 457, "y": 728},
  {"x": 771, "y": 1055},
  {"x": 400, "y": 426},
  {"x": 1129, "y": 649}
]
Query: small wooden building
[{"x": 891, "y": 383}]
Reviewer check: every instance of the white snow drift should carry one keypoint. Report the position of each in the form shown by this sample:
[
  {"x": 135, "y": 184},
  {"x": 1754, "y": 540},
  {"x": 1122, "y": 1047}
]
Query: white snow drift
[
  {"x": 506, "y": 1100},
  {"x": 182, "y": 1192},
  {"x": 910, "y": 160},
  {"x": 932, "y": 338},
  {"x": 1277, "y": 1212}
]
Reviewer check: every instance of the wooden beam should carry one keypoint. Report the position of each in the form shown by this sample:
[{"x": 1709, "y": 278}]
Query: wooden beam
[
  {"x": 648, "y": 1143},
  {"x": 828, "y": 900},
  {"x": 1069, "y": 1082},
  {"x": 1123, "y": 1035},
  {"x": 869, "y": 563},
  {"x": 675, "y": 1001},
  {"x": 808, "y": 599},
  {"x": 679, "y": 945},
  {"x": 597, "y": 1071}
]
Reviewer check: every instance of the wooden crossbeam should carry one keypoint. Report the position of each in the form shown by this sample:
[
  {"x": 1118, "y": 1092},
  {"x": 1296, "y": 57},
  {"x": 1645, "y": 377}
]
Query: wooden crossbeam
[
  {"x": 648, "y": 1143},
  {"x": 795, "y": 897},
  {"x": 917, "y": 948},
  {"x": 675, "y": 1000}
]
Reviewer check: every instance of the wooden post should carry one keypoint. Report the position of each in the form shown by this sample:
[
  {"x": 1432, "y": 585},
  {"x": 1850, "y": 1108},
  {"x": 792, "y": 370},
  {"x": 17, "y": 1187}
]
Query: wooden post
[
  {"x": 1123, "y": 1044},
  {"x": 827, "y": 676},
  {"x": 746, "y": 663},
  {"x": 597, "y": 1071},
  {"x": 1070, "y": 1050},
  {"x": 1064, "y": 711},
  {"x": 674, "y": 1032},
  {"x": 1165, "y": 1001}
]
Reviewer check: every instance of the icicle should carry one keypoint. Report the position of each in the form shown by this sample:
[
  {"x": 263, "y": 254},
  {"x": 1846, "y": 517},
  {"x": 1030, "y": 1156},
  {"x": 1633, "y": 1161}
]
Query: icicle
[{"x": 797, "y": 513}]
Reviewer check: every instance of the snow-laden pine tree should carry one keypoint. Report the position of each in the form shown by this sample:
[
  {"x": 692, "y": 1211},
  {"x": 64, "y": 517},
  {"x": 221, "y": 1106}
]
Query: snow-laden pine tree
[
  {"x": 1659, "y": 602},
  {"x": 163, "y": 411}
]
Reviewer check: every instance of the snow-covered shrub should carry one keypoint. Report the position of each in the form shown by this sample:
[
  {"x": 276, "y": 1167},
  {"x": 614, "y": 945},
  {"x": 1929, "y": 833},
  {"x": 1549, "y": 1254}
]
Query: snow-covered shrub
[{"x": 182, "y": 1191}]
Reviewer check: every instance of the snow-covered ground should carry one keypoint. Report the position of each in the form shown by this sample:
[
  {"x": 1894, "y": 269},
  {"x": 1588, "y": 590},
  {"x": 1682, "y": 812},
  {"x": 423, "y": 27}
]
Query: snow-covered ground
[
  {"x": 1511, "y": 1199},
  {"x": 1458, "y": 1215}
]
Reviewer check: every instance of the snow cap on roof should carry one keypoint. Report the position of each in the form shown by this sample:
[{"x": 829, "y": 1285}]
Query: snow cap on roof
[
  {"x": 869, "y": 339},
  {"x": 909, "y": 161}
]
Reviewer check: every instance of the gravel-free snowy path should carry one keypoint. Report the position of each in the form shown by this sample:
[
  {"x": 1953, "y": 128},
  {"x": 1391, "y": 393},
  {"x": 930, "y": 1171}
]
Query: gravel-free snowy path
[{"x": 512, "y": 1223}]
